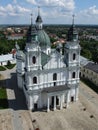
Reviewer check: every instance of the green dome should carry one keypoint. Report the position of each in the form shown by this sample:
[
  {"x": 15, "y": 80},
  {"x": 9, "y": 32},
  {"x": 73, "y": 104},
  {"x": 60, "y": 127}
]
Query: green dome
[{"x": 43, "y": 38}]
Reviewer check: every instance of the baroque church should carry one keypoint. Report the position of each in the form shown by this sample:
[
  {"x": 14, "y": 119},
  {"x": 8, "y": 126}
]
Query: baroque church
[{"x": 48, "y": 79}]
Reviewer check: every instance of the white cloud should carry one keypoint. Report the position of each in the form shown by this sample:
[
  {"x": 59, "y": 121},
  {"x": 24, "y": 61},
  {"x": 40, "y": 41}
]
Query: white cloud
[
  {"x": 14, "y": 1},
  {"x": 91, "y": 11},
  {"x": 13, "y": 10},
  {"x": 66, "y": 4},
  {"x": 87, "y": 16},
  {"x": 31, "y": 1}
]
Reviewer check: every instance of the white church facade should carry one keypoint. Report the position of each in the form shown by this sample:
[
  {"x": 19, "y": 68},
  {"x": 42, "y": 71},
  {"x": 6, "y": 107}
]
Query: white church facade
[{"x": 49, "y": 79}]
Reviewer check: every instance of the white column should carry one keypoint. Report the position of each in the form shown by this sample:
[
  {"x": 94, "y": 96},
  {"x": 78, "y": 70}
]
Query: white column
[
  {"x": 30, "y": 103},
  {"x": 67, "y": 100},
  {"x": 48, "y": 104},
  {"x": 76, "y": 94},
  {"x": 61, "y": 105},
  {"x": 40, "y": 101},
  {"x": 54, "y": 103}
]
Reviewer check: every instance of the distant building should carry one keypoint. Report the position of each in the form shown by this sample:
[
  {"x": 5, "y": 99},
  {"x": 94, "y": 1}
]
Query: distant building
[
  {"x": 15, "y": 36},
  {"x": 5, "y": 58},
  {"x": 49, "y": 79},
  {"x": 90, "y": 72}
]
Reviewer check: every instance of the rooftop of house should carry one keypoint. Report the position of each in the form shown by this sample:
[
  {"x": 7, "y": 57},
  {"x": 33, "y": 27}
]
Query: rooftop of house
[
  {"x": 92, "y": 66},
  {"x": 6, "y": 57}
]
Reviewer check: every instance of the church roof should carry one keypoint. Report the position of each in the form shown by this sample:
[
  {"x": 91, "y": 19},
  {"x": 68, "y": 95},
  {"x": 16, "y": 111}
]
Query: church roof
[
  {"x": 72, "y": 32},
  {"x": 43, "y": 38},
  {"x": 56, "y": 89},
  {"x": 44, "y": 58},
  {"x": 39, "y": 19},
  {"x": 31, "y": 34}
]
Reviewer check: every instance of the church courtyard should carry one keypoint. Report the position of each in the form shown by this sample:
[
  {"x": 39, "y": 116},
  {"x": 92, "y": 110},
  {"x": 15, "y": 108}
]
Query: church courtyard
[{"x": 80, "y": 115}]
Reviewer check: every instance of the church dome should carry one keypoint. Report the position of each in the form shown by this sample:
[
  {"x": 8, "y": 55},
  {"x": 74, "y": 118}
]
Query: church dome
[{"x": 43, "y": 38}]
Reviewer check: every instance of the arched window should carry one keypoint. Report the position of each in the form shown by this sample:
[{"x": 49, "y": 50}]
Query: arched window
[
  {"x": 74, "y": 56},
  {"x": 73, "y": 75},
  {"x": 34, "y": 59},
  {"x": 34, "y": 80},
  {"x": 54, "y": 76}
]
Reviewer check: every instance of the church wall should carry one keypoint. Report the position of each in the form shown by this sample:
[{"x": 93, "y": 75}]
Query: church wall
[
  {"x": 72, "y": 92},
  {"x": 45, "y": 78},
  {"x": 19, "y": 80},
  {"x": 55, "y": 62}
]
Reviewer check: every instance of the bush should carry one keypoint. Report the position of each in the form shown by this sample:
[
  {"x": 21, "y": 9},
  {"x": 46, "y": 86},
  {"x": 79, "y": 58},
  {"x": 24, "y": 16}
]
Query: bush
[
  {"x": 10, "y": 66},
  {"x": 3, "y": 98},
  {"x": 2, "y": 68}
]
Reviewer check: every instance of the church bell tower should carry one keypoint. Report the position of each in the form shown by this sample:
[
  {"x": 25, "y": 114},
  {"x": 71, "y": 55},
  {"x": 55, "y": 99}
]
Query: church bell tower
[{"x": 72, "y": 60}]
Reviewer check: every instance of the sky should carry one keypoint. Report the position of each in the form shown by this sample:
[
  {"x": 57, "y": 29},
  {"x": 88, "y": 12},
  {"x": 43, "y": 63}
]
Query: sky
[{"x": 51, "y": 11}]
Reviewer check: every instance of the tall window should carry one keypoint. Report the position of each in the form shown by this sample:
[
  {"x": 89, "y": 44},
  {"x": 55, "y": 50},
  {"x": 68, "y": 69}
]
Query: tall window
[
  {"x": 74, "y": 56},
  {"x": 34, "y": 80},
  {"x": 54, "y": 76},
  {"x": 34, "y": 59},
  {"x": 73, "y": 75}
]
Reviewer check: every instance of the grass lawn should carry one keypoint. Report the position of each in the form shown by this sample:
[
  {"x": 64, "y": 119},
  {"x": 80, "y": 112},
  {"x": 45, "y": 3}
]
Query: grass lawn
[
  {"x": 3, "y": 99},
  {"x": 10, "y": 66},
  {"x": 2, "y": 68},
  {"x": 90, "y": 84}
]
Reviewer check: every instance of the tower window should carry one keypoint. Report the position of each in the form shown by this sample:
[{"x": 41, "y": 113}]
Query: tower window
[
  {"x": 34, "y": 80},
  {"x": 74, "y": 56},
  {"x": 34, "y": 59},
  {"x": 73, "y": 75},
  {"x": 54, "y": 76}
]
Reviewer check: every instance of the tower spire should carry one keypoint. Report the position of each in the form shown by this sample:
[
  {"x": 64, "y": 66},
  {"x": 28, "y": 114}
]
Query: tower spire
[
  {"x": 38, "y": 10},
  {"x": 39, "y": 20},
  {"x": 73, "y": 19},
  {"x": 31, "y": 18}
]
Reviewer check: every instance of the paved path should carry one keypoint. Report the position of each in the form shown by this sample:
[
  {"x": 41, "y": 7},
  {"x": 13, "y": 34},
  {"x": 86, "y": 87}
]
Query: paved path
[
  {"x": 89, "y": 94},
  {"x": 16, "y": 98}
]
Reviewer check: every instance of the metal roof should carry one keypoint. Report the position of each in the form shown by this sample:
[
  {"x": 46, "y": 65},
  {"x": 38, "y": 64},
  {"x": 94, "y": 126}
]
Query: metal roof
[
  {"x": 44, "y": 58},
  {"x": 7, "y": 57},
  {"x": 84, "y": 61},
  {"x": 92, "y": 66},
  {"x": 55, "y": 89},
  {"x": 43, "y": 38}
]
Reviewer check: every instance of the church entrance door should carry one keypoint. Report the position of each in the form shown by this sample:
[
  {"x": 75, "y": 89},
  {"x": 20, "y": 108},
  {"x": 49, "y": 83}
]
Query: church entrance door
[
  {"x": 57, "y": 100},
  {"x": 52, "y": 101},
  {"x": 35, "y": 106},
  {"x": 54, "y": 83},
  {"x": 72, "y": 99}
]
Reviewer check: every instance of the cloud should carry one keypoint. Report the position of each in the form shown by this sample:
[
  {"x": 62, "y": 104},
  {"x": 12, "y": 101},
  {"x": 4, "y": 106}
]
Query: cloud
[
  {"x": 14, "y": 1},
  {"x": 13, "y": 10},
  {"x": 65, "y": 4},
  {"x": 91, "y": 11},
  {"x": 87, "y": 16},
  {"x": 53, "y": 9}
]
